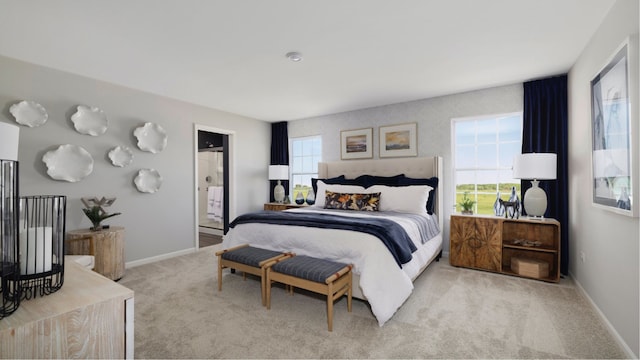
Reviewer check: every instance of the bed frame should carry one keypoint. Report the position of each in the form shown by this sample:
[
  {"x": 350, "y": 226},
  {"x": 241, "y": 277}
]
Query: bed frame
[{"x": 421, "y": 167}]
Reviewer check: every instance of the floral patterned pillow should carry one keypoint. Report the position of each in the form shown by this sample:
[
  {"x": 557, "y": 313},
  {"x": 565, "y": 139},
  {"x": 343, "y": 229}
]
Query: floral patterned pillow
[{"x": 361, "y": 202}]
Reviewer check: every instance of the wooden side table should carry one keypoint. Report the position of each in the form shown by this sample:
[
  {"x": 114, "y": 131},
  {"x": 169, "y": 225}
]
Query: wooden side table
[{"x": 107, "y": 246}]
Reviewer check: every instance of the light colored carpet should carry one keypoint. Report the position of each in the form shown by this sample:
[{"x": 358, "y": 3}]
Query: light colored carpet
[{"x": 452, "y": 313}]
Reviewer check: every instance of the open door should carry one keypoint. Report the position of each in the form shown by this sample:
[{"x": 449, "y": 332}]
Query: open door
[{"x": 212, "y": 185}]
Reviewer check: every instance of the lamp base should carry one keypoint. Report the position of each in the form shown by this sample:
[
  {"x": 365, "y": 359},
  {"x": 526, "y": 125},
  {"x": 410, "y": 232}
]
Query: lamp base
[
  {"x": 535, "y": 200},
  {"x": 278, "y": 193}
]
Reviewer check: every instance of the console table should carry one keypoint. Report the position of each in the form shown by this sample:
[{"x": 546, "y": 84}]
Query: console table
[
  {"x": 107, "y": 245},
  {"x": 89, "y": 317},
  {"x": 497, "y": 244}
]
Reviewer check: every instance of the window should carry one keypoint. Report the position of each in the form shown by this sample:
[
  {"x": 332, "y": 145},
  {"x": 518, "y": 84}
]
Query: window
[
  {"x": 483, "y": 150},
  {"x": 306, "y": 152}
]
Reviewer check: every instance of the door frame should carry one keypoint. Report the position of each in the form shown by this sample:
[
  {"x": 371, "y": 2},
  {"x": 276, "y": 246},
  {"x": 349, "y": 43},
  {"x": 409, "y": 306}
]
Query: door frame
[{"x": 231, "y": 170}]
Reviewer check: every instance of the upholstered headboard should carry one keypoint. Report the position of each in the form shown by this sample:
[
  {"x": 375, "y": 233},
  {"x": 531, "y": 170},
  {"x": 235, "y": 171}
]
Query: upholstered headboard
[{"x": 421, "y": 167}]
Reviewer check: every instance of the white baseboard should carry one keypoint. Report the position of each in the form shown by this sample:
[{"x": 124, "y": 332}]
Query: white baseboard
[
  {"x": 612, "y": 330},
  {"x": 158, "y": 258}
]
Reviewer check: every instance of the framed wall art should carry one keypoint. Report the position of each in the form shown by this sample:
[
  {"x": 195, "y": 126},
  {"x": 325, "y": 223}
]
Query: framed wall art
[
  {"x": 614, "y": 185},
  {"x": 398, "y": 140},
  {"x": 356, "y": 144}
]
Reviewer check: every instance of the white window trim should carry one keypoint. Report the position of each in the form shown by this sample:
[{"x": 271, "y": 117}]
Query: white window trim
[
  {"x": 308, "y": 137},
  {"x": 454, "y": 169}
]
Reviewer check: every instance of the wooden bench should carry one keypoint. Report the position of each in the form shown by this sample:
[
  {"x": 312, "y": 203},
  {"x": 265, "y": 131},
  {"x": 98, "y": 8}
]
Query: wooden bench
[
  {"x": 250, "y": 260},
  {"x": 324, "y": 277}
]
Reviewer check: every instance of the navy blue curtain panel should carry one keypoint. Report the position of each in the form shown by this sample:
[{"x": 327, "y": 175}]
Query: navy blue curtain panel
[
  {"x": 545, "y": 129},
  {"x": 279, "y": 152}
]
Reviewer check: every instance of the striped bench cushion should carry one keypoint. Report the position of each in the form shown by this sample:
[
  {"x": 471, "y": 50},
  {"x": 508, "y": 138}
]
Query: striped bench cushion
[
  {"x": 309, "y": 268},
  {"x": 249, "y": 255}
]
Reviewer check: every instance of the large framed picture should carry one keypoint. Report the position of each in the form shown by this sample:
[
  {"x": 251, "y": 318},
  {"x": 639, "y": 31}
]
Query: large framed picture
[
  {"x": 356, "y": 144},
  {"x": 614, "y": 186},
  {"x": 398, "y": 140}
]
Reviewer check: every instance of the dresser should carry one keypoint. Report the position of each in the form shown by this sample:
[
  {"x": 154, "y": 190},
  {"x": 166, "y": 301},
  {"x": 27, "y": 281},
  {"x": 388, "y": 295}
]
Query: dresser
[
  {"x": 526, "y": 247},
  {"x": 89, "y": 317}
]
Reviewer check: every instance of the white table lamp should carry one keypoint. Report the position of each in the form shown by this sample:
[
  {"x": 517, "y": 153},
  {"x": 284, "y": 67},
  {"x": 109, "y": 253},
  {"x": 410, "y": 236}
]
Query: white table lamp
[
  {"x": 278, "y": 172},
  {"x": 535, "y": 167}
]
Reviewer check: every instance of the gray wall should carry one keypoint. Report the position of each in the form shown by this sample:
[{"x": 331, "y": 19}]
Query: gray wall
[
  {"x": 156, "y": 224},
  {"x": 434, "y": 126},
  {"x": 610, "y": 272}
]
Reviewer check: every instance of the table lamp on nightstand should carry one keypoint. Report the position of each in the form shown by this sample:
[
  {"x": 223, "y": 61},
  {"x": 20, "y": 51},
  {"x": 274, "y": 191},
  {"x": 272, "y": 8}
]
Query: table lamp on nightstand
[
  {"x": 535, "y": 167},
  {"x": 278, "y": 172}
]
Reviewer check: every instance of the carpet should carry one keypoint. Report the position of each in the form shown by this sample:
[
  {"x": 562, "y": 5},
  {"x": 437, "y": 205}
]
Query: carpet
[{"x": 452, "y": 313}]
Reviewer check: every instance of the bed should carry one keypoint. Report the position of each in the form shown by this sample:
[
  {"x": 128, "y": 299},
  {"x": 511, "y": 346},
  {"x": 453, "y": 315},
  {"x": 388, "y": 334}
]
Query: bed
[{"x": 382, "y": 277}]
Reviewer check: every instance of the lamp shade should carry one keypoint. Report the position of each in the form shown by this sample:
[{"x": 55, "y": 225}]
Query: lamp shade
[
  {"x": 538, "y": 166},
  {"x": 9, "y": 136},
  {"x": 278, "y": 172}
]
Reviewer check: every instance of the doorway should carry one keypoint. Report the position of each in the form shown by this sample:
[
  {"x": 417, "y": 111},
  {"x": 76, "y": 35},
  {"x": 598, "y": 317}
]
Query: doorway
[{"x": 212, "y": 185}]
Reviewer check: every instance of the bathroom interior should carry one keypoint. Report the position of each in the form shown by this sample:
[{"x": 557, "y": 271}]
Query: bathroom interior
[{"x": 211, "y": 182}]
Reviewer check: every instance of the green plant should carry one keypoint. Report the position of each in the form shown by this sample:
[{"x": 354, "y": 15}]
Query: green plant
[
  {"x": 97, "y": 215},
  {"x": 466, "y": 204}
]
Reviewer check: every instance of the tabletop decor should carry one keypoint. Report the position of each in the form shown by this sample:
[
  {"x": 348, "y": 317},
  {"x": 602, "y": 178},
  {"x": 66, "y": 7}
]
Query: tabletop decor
[
  {"x": 41, "y": 230},
  {"x": 95, "y": 212}
]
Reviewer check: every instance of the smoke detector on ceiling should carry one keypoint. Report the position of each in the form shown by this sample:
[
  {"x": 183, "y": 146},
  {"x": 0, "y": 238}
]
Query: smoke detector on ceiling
[{"x": 294, "y": 56}]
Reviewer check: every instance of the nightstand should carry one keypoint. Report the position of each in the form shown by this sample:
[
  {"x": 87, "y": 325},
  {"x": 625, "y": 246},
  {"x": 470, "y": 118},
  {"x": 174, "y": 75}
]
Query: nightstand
[{"x": 282, "y": 206}]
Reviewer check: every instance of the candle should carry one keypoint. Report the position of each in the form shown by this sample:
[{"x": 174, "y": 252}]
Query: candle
[{"x": 35, "y": 250}]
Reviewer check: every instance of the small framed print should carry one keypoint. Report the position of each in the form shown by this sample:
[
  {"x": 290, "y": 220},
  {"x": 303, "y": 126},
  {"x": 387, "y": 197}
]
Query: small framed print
[
  {"x": 356, "y": 144},
  {"x": 399, "y": 140}
]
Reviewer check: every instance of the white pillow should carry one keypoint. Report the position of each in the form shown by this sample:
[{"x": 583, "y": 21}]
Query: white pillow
[
  {"x": 408, "y": 199},
  {"x": 349, "y": 189}
]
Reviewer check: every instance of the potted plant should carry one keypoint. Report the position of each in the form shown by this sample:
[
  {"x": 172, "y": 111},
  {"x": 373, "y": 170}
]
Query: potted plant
[
  {"x": 467, "y": 204},
  {"x": 97, "y": 215}
]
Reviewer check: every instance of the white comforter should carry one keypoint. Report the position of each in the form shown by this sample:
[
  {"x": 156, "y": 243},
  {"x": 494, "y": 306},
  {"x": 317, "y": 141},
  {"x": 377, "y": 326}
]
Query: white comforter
[{"x": 385, "y": 285}]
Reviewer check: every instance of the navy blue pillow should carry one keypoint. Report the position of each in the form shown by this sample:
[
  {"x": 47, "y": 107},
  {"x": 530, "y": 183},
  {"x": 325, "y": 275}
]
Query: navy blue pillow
[
  {"x": 433, "y": 182},
  {"x": 335, "y": 180},
  {"x": 369, "y": 180}
]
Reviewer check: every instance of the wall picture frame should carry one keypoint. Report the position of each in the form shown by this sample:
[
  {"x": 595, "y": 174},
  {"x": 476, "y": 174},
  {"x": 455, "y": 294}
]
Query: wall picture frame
[
  {"x": 356, "y": 144},
  {"x": 399, "y": 140},
  {"x": 614, "y": 146}
]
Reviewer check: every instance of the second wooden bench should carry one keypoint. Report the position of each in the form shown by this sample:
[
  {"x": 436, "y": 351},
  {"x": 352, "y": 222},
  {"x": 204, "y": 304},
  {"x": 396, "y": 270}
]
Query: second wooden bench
[{"x": 324, "y": 277}]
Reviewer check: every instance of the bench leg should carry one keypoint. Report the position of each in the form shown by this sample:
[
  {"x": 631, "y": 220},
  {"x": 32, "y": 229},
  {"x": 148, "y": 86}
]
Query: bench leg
[
  {"x": 330, "y": 306},
  {"x": 219, "y": 273},
  {"x": 263, "y": 286},
  {"x": 349, "y": 293},
  {"x": 268, "y": 289}
]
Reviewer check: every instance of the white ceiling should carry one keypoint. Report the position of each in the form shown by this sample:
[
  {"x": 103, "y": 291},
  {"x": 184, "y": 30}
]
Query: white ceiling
[{"x": 230, "y": 55}]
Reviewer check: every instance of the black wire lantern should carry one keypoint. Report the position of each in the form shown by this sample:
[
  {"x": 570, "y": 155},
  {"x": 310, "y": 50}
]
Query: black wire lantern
[
  {"x": 9, "y": 246},
  {"x": 41, "y": 230}
]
